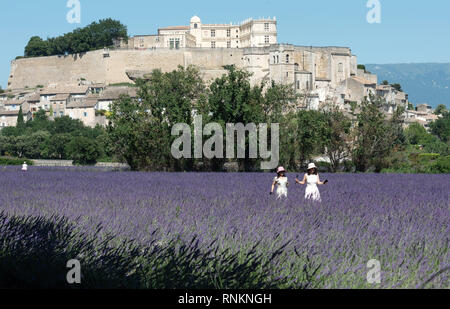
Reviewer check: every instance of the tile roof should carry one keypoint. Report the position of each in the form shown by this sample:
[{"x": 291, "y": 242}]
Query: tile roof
[
  {"x": 363, "y": 80},
  {"x": 74, "y": 89},
  {"x": 60, "y": 97},
  {"x": 113, "y": 93},
  {"x": 85, "y": 103}
]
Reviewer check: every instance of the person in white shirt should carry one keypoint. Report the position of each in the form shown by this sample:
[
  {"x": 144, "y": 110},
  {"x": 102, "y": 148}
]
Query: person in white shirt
[
  {"x": 24, "y": 167},
  {"x": 282, "y": 183},
  {"x": 312, "y": 180}
]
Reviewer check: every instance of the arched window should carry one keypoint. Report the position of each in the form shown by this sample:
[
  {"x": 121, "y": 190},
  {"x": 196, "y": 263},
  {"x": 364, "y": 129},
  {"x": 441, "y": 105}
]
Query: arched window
[
  {"x": 195, "y": 26},
  {"x": 287, "y": 58},
  {"x": 274, "y": 59},
  {"x": 278, "y": 59}
]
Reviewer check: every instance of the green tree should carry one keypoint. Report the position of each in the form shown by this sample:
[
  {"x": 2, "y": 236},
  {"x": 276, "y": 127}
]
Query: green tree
[
  {"x": 337, "y": 137},
  {"x": 37, "y": 47},
  {"x": 83, "y": 151},
  {"x": 440, "y": 109},
  {"x": 55, "y": 146},
  {"x": 95, "y": 36},
  {"x": 397, "y": 87},
  {"x": 441, "y": 127},
  {"x": 20, "y": 121},
  {"x": 302, "y": 135},
  {"x": 375, "y": 137},
  {"x": 416, "y": 134}
]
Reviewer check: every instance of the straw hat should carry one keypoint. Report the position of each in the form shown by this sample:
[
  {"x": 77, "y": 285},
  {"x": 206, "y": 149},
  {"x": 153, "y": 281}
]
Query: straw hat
[{"x": 311, "y": 166}]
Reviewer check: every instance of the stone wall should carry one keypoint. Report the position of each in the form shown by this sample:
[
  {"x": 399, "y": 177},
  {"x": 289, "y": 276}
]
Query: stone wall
[{"x": 110, "y": 67}]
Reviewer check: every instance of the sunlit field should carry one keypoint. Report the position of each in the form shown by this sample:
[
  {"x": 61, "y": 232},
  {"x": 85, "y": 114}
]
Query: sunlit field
[{"x": 211, "y": 230}]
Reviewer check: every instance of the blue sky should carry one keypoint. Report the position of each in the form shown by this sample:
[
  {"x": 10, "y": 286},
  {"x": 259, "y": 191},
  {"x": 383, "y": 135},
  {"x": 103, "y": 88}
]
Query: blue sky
[{"x": 410, "y": 30}]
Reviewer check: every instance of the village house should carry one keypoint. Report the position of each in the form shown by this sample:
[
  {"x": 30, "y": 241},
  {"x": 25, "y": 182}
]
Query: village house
[{"x": 84, "y": 110}]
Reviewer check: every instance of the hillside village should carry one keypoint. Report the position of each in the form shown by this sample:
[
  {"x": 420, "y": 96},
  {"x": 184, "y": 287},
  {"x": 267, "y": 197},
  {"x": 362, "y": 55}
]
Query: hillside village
[{"x": 84, "y": 87}]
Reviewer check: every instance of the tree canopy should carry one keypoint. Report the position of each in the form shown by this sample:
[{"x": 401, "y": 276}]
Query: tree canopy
[{"x": 95, "y": 36}]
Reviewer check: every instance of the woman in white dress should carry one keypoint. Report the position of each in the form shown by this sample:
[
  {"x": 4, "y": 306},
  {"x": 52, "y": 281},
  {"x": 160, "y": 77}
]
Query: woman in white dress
[
  {"x": 312, "y": 180},
  {"x": 282, "y": 183},
  {"x": 24, "y": 167}
]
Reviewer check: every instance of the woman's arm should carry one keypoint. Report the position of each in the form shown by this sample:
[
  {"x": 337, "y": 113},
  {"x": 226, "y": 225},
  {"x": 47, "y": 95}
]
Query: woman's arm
[
  {"x": 301, "y": 182},
  {"x": 318, "y": 180},
  {"x": 273, "y": 187}
]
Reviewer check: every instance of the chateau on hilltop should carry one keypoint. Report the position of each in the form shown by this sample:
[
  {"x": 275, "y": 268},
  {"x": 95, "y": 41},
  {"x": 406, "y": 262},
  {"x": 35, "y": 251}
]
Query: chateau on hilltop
[
  {"x": 322, "y": 75},
  {"x": 249, "y": 33}
]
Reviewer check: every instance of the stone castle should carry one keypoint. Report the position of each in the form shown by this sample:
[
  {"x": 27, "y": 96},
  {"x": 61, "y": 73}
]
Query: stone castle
[{"x": 323, "y": 75}]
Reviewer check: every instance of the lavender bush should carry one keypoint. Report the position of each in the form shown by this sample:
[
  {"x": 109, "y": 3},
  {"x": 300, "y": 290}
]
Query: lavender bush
[{"x": 238, "y": 228}]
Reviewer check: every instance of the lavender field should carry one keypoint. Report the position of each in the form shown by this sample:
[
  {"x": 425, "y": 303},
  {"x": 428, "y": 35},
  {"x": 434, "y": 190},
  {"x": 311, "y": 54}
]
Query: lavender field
[{"x": 400, "y": 220}]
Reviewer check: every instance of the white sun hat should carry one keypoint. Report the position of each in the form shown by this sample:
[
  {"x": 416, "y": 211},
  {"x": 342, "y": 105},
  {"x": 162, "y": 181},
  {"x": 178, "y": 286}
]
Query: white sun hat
[{"x": 311, "y": 166}]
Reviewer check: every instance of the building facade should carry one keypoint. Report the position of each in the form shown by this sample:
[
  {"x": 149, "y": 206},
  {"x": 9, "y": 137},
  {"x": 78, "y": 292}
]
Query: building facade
[{"x": 249, "y": 33}]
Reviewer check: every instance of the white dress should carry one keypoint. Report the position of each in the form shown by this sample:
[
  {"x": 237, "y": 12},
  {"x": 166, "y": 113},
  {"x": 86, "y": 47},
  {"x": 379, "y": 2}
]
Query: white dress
[
  {"x": 312, "y": 191},
  {"x": 281, "y": 186}
]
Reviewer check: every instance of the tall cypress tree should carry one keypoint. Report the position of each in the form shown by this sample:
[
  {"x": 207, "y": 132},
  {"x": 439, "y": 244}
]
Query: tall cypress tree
[{"x": 20, "y": 121}]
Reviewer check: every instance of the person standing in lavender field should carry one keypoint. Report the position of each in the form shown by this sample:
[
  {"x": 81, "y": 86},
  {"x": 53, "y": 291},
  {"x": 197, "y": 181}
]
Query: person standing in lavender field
[{"x": 312, "y": 180}]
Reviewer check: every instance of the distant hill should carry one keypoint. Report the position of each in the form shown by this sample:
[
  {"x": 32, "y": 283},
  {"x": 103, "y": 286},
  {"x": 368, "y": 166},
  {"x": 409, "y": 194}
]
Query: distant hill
[{"x": 424, "y": 82}]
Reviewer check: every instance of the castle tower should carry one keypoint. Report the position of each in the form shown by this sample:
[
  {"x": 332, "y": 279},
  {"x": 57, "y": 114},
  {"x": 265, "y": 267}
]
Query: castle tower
[{"x": 196, "y": 30}]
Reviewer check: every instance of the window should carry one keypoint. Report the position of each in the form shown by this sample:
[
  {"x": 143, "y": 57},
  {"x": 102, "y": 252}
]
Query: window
[
  {"x": 213, "y": 44},
  {"x": 213, "y": 33},
  {"x": 287, "y": 74},
  {"x": 266, "y": 39},
  {"x": 340, "y": 67},
  {"x": 266, "y": 26},
  {"x": 228, "y": 33},
  {"x": 287, "y": 58},
  {"x": 228, "y": 44},
  {"x": 172, "y": 43},
  {"x": 85, "y": 114},
  {"x": 278, "y": 59},
  {"x": 177, "y": 43},
  {"x": 298, "y": 84},
  {"x": 274, "y": 59},
  {"x": 195, "y": 26}
]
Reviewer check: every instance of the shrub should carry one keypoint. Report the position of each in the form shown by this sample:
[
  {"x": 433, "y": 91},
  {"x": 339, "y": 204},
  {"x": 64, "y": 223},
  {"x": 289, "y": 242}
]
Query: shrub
[
  {"x": 442, "y": 165},
  {"x": 83, "y": 151},
  {"x": 428, "y": 157},
  {"x": 14, "y": 161}
]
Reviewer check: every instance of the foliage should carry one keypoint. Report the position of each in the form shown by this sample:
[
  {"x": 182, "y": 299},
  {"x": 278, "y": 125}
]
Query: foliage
[
  {"x": 83, "y": 151},
  {"x": 440, "y": 109},
  {"x": 336, "y": 137},
  {"x": 14, "y": 161},
  {"x": 441, "y": 127},
  {"x": 95, "y": 36},
  {"x": 375, "y": 137},
  {"x": 141, "y": 127},
  {"x": 42, "y": 138},
  {"x": 397, "y": 87}
]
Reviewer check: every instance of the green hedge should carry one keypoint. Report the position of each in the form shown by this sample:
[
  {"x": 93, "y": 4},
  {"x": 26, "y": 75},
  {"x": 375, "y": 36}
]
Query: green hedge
[
  {"x": 428, "y": 157},
  {"x": 14, "y": 161}
]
